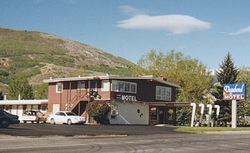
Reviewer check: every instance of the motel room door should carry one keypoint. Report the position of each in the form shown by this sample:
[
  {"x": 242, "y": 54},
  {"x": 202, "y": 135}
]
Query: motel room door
[
  {"x": 56, "y": 108},
  {"x": 166, "y": 115},
  {"x": 162, "y": 114}
]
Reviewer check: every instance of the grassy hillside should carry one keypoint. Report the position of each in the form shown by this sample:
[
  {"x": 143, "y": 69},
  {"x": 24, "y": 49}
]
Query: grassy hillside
[{"x": 39, "y": 55}]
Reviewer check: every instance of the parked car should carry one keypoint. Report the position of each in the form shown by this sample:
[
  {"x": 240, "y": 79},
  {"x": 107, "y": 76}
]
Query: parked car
[
  {"x": 6, "y": 119},
  {"x": 34, "y": 116},
  {"x": 66, "y": 117}
]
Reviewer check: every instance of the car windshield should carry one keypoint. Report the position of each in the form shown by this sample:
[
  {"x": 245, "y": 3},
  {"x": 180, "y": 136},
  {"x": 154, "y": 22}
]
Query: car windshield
[{"x": 71, "y": 114}]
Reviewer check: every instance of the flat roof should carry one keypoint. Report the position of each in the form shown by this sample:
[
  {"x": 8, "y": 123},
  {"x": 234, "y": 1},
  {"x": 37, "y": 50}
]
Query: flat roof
[
  {"x": 108, "y": 77},
  {"x": 24, "y": 102}
]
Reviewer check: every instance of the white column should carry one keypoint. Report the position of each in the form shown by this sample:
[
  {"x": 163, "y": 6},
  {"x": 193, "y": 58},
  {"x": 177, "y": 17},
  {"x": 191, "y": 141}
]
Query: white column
[
  {"x": 202, "y": 112},
  {"x": 217, "y": 113},
  {"x": 209, "y": 113},
  {"x": 234, "y": 114},
  {"x": 193, "y": 114}
]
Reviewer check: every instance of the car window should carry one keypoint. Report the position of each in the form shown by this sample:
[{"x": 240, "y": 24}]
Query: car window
[
  {"x": 58, "y": 113},
  {"x": 39, "y": 114},
  {"x": 26, "y": 113},
  {"x": 71, "y": 114}
]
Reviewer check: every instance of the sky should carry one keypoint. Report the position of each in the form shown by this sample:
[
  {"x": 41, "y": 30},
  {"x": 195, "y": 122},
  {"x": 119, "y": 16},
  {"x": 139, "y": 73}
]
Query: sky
[{"x": 202, "y": 29}]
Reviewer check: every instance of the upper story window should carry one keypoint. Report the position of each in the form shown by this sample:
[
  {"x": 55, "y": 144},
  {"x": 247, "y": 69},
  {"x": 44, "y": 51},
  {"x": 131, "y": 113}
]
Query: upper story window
[
  {"x": 81, "y": 85},
  {"x": 59, "y": 87},
  {"x": 105, "y": 85},
  {"x": 93, "y": 85},
  {"x": 163, "y": 93},
  {"x": 123, "y": 86}
]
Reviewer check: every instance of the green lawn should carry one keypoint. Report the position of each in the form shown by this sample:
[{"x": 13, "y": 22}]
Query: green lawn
[{"x": 210, "y": 129}]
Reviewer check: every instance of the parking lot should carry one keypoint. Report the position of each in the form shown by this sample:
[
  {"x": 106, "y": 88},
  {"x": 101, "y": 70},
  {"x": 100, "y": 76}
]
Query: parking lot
[{"x": 89, "y": 130}]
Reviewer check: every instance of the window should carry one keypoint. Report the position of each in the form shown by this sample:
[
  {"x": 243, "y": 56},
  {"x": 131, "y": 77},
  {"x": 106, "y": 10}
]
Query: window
[
  {"x": 7, "y": 108},
  {"x": 44, "y": 108},
  {"x": 163, "y": 93},
  {"x": 124, "y": 86},
  {"x": 93, "y": 85},
  {"x": 60, "y": 114},
  {"x": 81, "y": 85},
  {"x": 59, "y": 87},
  {"x": 153, "y": 113},
  {"x": 105, "y": 86}
]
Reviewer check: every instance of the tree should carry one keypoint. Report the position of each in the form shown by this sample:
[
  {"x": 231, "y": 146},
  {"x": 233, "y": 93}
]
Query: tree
[
  {"x": 189, "y": 73},
  {"x": 19, "y": 85},
  {"x": 41, "y": 91},
  {"x": 244, "y": 105},
  {"x": 1, "y": 95},
  {"x": 99, "y": 111},
  {"x": 227, "y": 74}
]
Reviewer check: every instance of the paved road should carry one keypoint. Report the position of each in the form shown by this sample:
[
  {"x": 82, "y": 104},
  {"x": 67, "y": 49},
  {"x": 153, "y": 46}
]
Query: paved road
[
  {"x": 72, "y": 130},
  {"x": 173, "y": 143},
  {"x": 77, "y": 138}
]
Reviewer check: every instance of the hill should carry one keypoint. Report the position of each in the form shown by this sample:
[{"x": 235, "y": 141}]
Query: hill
[{"x": 40, "y": 55}]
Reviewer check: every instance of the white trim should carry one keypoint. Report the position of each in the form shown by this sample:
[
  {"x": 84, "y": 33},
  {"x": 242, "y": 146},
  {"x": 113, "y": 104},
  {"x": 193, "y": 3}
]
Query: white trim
[{"x": 24, "y": 102}]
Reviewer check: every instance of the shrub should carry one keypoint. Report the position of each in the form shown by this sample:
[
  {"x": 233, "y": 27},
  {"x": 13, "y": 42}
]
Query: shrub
[{"x": 99, "y": 111}]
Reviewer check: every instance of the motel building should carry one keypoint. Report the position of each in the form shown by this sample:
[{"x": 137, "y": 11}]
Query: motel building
[
  {"x": 19, "y": 106},
  {"x": 144, "y": 100}
]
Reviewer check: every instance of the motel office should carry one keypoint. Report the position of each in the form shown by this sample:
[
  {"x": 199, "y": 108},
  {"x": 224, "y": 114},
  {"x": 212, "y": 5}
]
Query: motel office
[{"x": 134, "y": 100}]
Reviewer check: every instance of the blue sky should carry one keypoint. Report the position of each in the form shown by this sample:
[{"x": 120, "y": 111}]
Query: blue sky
[{"x": 202, "y": 29}]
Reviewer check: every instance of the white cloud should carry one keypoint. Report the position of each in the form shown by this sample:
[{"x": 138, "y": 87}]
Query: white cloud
[
  {"x": 177, "y": 24},
  {"x": 241, "y": 31}
]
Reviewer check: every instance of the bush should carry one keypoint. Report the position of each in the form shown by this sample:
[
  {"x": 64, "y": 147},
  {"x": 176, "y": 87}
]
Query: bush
[{"x": 99, "y": 111}]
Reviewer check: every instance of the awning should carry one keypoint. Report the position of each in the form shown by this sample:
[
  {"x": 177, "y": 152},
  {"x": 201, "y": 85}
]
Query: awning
[{"x": 170, "y": 104}]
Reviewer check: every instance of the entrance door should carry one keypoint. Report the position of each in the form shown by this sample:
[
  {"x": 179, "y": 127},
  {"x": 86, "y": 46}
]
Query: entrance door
[
  {"x": 170, "y": 115},
  {"x": 162, "y": 116}
]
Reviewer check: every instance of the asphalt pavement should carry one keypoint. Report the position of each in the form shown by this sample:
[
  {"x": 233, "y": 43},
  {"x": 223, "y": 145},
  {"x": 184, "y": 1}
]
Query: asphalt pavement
[{"x": 38, "y": 130}]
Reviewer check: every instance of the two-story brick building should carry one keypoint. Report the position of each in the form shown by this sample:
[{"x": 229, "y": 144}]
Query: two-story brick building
[{"x": 133, "y": 100}]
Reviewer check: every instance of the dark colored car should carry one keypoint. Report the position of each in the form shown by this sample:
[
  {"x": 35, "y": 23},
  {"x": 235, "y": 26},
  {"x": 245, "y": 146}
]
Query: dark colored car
[{"x": 6, "y": 119}]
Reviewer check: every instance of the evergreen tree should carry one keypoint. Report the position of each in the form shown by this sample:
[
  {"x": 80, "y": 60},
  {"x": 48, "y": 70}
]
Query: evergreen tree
[
  {"x": 19, "y": 85},
  {"x": 226, "y": 75}
]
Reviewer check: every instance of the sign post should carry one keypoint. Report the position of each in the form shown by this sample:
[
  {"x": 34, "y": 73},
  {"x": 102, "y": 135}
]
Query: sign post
[
  {"x": 234, "y": 92},
  {"x": 234, "y": 114}
]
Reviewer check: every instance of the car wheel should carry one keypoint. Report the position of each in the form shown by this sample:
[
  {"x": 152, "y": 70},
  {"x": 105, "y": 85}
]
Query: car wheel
[
  {"x": 24, "y": 121},
  {"x": 69, "y": 122},
  {"x": 52, "y": 121},
  {"x": 4, "y": 123}
]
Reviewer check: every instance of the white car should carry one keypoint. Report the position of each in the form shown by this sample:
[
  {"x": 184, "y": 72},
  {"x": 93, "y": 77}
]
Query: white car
[
  {"x": 34, "y": 116},
  {"x": 66, "y": 117}
]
